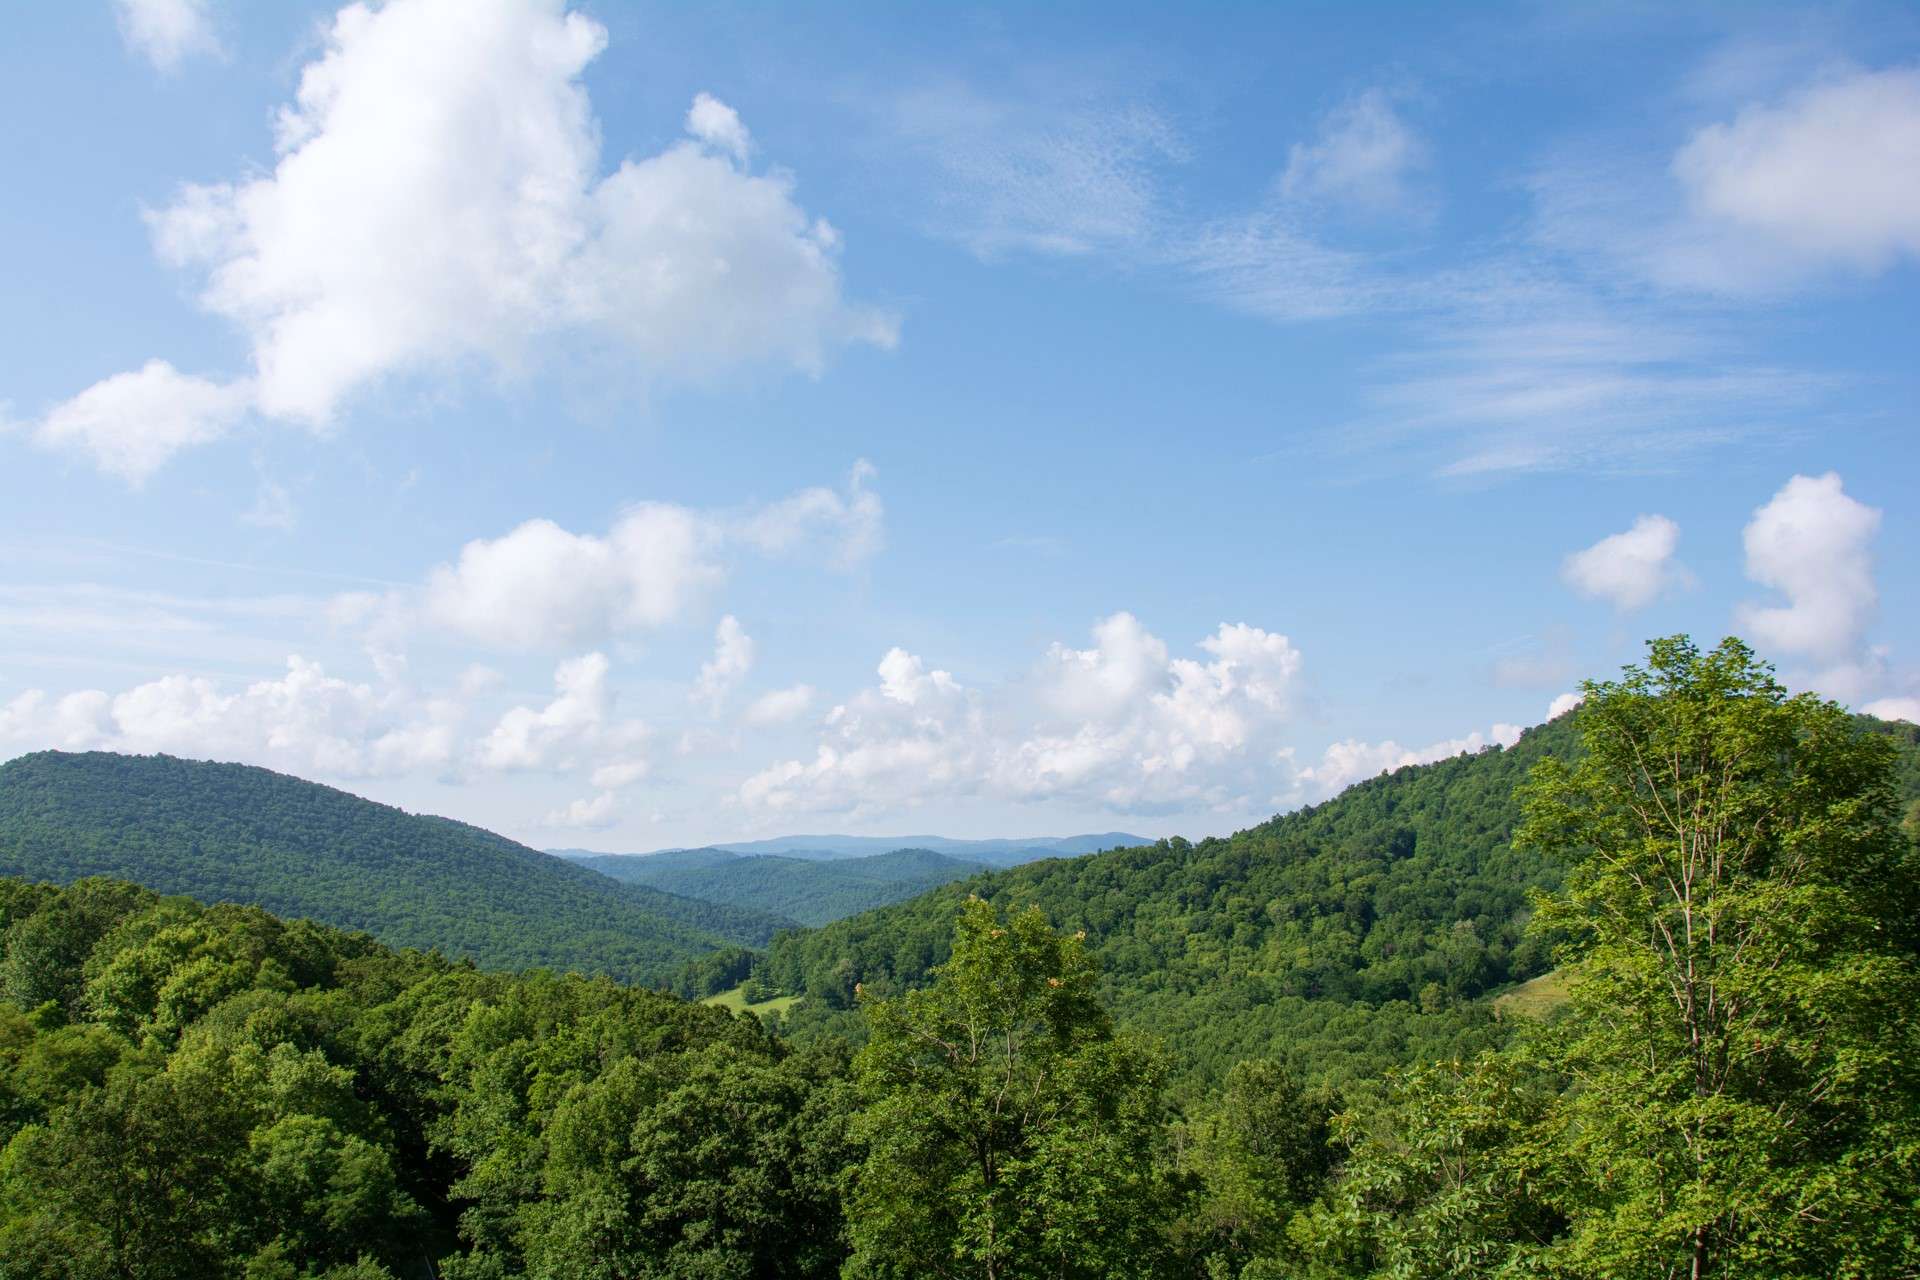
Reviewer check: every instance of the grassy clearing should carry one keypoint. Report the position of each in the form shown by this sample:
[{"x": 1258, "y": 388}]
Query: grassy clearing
[
  {"x": 1535, "y": 998},
  {"x": 735, "y": 999}
]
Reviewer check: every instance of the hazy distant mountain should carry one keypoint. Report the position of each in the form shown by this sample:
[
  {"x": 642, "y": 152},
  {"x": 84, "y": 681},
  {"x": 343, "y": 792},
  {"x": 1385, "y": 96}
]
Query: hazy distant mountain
[
  {"x": 674, "y": 859},
  {"x": 997, "y": 853},
  {"x": 811, "y": 891},
  {"x": 819, "y": 879},
  {"x": 234, "y": 833}
]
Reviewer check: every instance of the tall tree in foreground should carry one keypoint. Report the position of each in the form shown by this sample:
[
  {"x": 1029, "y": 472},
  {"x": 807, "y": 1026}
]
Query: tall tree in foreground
[
  {"x": 1740, "y": 1039},
  {"x": 1260, "y": 1154},
  {"x": 1010, "y": 1133}
]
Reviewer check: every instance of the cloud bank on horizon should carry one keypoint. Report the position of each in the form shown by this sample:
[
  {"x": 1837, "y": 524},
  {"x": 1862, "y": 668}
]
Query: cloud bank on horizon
[{"x": 472, "y": 440}]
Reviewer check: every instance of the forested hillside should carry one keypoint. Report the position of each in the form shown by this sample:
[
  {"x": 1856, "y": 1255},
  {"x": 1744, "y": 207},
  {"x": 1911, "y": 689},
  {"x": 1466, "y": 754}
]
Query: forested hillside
[
  {"x": 233, "y": 833},
  {"x": 1347, "y": 937},
  {"x": 811, "y": 892}
]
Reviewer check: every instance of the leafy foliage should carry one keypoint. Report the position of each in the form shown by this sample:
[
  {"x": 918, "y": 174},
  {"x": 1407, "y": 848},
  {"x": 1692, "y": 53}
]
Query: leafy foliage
[
  {"x": 1346, "y": 939},
  {"x": 1010, "y": 1133},
  {"x": 233, "y": 833},
  {"x": 230, "y": 1094},
  {"x": 1741, "y": 1031},
  {"x": 1439, "y": 1178}
]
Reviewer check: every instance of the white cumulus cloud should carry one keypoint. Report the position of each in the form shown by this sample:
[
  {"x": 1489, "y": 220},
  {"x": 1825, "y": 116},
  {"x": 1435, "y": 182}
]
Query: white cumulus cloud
[
  {"x": 1122, "y": 724},
  {"x": 436, "y": 198},
  {"x": 718, "y": 125},
  {"x": 304, "y": 721},
  {"x": 574, "y": 729},
  {"x": 128, "y": 425},
  {"x": 1350, "y": 761},
  {"x": 621, "y": 773},
  {"x": 721, "y": 674},
  {"x": 1907, "y": 709},
  {"x": 780, "y": 706},
  {"x": 904, "y": 679},
  {"x": 845, "y": 528},
  {"x": 541, "y": 587},
  {"x": 1828, "y": 174},
  {"x": 1812, "y": 543},
  {"x": 590, "y": 813},
  {"x": 1628, "y": 570}
]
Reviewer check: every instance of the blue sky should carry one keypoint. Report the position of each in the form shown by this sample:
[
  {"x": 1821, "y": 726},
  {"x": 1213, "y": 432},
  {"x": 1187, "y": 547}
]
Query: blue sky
[{"x": 630, "y": 425}]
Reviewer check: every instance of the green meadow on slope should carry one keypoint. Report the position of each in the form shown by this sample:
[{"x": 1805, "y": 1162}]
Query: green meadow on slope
[{"x": 233, "y": 833}]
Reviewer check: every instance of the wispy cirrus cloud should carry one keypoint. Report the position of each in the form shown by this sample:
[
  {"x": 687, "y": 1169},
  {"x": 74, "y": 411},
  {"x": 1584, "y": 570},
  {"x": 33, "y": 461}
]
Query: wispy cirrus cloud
[
  {"x": 1558, "y": 344},
  {"x": 1060, "y": 172},
  {"x": 1624, "y": 388}
]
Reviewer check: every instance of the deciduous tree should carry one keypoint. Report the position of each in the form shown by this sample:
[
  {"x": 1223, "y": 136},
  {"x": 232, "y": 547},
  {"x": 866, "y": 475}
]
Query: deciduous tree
[
  {"x": 1009, "y": 1132},
  {"x": 1741, "y": 1032}
]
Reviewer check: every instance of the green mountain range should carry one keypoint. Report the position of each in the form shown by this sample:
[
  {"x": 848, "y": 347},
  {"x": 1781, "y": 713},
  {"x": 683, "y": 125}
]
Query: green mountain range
[
  {"x": 1355, "y": 934},
  {"x": 812, "y": 892},
  {"x": 1003, "y": 852},
  {"x": 1361, "y": 933},
  {"x": 234, "y": 833}
]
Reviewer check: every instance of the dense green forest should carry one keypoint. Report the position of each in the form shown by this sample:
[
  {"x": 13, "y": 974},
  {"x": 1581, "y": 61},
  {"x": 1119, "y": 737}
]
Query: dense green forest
[
  {"x": 193, "y": 1092},
  {"x": 1730, "y": 1087},
  {"x": 1360, "y": 933},
  {"x": 233, "y": 833},
  {"x": 1348, "y": 937},
  {"x": 813, "y": 892}
]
